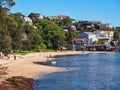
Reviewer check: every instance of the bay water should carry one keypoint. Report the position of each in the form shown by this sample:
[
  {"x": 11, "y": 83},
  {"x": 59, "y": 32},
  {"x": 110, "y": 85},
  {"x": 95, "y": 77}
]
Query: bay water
[{"x": 87, "y": 72}]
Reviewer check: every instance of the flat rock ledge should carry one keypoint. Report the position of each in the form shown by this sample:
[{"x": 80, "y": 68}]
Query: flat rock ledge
[{"x": 17, "y": 83}]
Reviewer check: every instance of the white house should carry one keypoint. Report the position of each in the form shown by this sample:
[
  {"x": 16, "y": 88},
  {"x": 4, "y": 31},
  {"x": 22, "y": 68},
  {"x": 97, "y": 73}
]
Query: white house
[
  {"x": 106, "y": 25},
  {"x": 103, "y": 34},
  {"x": 27, "y": 19},
  {"x": 91, "y": 37},
  {"x": 40, "y": 16}
]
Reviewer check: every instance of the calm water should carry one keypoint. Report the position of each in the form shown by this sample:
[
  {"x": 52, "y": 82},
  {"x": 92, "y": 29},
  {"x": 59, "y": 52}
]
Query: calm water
[{"x": 91, "y": 72}]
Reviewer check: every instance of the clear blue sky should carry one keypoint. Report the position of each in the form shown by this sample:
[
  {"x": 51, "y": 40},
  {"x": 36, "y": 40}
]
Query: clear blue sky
[{"x": 107, "y": 11}]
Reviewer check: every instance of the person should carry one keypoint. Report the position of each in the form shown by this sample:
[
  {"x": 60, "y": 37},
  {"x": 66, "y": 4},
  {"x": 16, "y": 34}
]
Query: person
[
  {"x": 1, "y": 55},
  {"x": 8, "y": 56},
  {"x": 14, "y": 57}
]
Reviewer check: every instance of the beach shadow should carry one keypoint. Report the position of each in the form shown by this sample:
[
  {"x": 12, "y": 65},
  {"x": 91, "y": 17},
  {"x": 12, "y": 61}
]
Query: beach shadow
[{"x": 39, "y": 63}]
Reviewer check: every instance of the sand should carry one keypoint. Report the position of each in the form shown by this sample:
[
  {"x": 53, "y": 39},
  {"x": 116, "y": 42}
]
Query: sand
[{"x": 24, "y": 64}]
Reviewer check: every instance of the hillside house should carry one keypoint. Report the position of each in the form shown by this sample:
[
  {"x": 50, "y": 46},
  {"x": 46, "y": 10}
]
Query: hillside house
[
  {"x": 106, "y": 25},
  {"x": 79, "y": 43},
  {"x": 101, "y": 34},
  {"x": 91, "y": 37},
  {"x": 27, "y": 19}
]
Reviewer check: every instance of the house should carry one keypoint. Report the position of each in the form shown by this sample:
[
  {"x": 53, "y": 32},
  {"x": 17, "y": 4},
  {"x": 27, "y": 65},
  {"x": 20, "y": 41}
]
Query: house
[
  {"x": 96, "y": 22},
  {"x": 27, "y": 19},
  {"x": 62, "y": 17},
  {"x": 91, "y": 37},
  {"x": 79, "y": 43},
  {"x": 94, "y": 47},
  {"x": 58, "y": 17},
  {"x": 104, "y": 34},
  {"x": 82, "y": 44},
  {"x": 73, "y": 27},
  {"x": 39, "y": 16},
  {"x": 85, "y": 24},
  {"x": 106, "y": 25},
  {"x": 53, "y": 17}
]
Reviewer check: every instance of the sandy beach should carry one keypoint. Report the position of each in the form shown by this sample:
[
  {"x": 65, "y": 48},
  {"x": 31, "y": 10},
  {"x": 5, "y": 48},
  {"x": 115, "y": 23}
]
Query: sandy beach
[{"x": 24, "y": 65}]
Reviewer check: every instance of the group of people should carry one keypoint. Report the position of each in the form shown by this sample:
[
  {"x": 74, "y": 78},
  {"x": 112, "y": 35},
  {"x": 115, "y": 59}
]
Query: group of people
[{"x": 7, "y": 57}]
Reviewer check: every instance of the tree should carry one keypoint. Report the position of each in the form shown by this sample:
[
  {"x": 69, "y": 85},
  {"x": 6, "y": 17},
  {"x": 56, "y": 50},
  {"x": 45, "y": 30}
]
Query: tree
[
  {"x": 5, "y": 42},
  {"x": 33, "y": 16},
  {"x": 50, "y": 32},
  {"x": 7, "y": 3},
  {"x": 80, "y": 29},
  {"x": 16, "y": 36},
  {"x": 98, "y": 42},
  {"x": 67, "y": 21},
  {"x": 96, "y": 26},
  {"x": 33, "y": 39},
  {"x": 5, "y": 24}
]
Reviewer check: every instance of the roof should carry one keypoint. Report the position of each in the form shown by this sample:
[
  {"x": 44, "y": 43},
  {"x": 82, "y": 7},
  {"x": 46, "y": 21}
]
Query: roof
[
  {"x": 89, "y": 33},
  {"x": 79, "y": 39},
  {"x": 94, "y": 45},
  {"x": 62, "y": 16},
  {"x": 106, "y": 31}
]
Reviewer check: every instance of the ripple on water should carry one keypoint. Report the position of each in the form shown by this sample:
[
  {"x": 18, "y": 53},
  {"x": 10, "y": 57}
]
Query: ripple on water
[{"x": 94, "y": 72}]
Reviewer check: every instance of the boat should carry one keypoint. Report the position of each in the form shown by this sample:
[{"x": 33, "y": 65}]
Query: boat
[{"x": 53, "y": 62}]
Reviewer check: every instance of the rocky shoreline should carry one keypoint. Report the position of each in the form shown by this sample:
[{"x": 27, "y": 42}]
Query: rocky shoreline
[{"x": 15, "y": 83}]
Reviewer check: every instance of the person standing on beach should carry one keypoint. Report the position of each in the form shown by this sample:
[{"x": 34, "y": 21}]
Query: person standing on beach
[
  {"x": 1, "y": 55},
  {"x": 8, "y": 56},
  {"x": 14, "y": 57}
]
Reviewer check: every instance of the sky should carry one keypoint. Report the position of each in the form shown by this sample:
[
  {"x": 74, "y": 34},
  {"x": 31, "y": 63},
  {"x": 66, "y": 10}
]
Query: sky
[{"x": 106, "y": 11}]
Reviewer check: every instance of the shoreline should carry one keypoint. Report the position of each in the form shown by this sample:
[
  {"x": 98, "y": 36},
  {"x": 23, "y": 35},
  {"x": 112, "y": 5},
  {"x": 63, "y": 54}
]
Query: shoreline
[{"x": 24, "y": 64}]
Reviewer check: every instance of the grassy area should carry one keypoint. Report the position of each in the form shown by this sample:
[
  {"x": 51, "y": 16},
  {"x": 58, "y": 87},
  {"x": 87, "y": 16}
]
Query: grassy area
[{"x": 23, "y": 52}]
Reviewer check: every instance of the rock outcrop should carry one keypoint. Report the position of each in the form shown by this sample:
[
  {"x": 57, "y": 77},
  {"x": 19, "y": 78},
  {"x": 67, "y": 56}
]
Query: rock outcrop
[{"x": 17, "y": 83}]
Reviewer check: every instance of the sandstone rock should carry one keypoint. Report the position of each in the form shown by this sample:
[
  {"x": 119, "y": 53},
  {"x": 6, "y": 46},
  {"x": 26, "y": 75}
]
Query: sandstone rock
[{"x": 17, "y": 83}]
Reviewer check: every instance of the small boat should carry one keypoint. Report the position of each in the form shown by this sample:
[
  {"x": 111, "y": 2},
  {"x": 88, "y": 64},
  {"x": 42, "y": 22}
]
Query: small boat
[{"x": 53, "y": 62}]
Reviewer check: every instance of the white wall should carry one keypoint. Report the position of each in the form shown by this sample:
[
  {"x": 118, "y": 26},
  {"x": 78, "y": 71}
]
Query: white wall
[{"x": 92, "y": 38}]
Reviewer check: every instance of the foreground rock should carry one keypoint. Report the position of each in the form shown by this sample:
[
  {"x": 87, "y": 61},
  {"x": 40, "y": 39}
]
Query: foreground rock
[{"x": 17, "y": 83}]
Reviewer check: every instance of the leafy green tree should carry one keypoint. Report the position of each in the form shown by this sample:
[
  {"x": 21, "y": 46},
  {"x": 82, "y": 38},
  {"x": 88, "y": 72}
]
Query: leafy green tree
[
  {"x": 16, "y": 36},
  {"x": 7, "y": 3},
  {"x": 49, "y": 32},
  {"x": 58, "y": 22},
  {"x": 19, "y": 19},
  {"x": 112, "y": 43},
  {"x": 98, "y": 42},
  {"x": 26, "y": 45},
  {"x": 33, "y": 39},
  {"x": 69, "y": 37},
  {"x": 67, "y": 21},
  {"x": 33, "y": 16},
  {"x": 96, "y": 26},
  {"x": 80, "y": 29},
  {"x": 5, "y": 42},
  {"x": 5, "y": 39}
]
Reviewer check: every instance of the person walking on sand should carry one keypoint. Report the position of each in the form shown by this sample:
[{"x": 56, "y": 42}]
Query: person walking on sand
[
  {"x": 8, "y": 56},
  {"x": 14, "y": 57},
  {"x": 1, "y": 55}
]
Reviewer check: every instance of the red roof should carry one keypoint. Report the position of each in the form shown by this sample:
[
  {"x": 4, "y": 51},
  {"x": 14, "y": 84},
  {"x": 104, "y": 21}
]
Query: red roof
[
  {"x": 62, "y": 16},
  {"x": 106, "y": 31}
]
